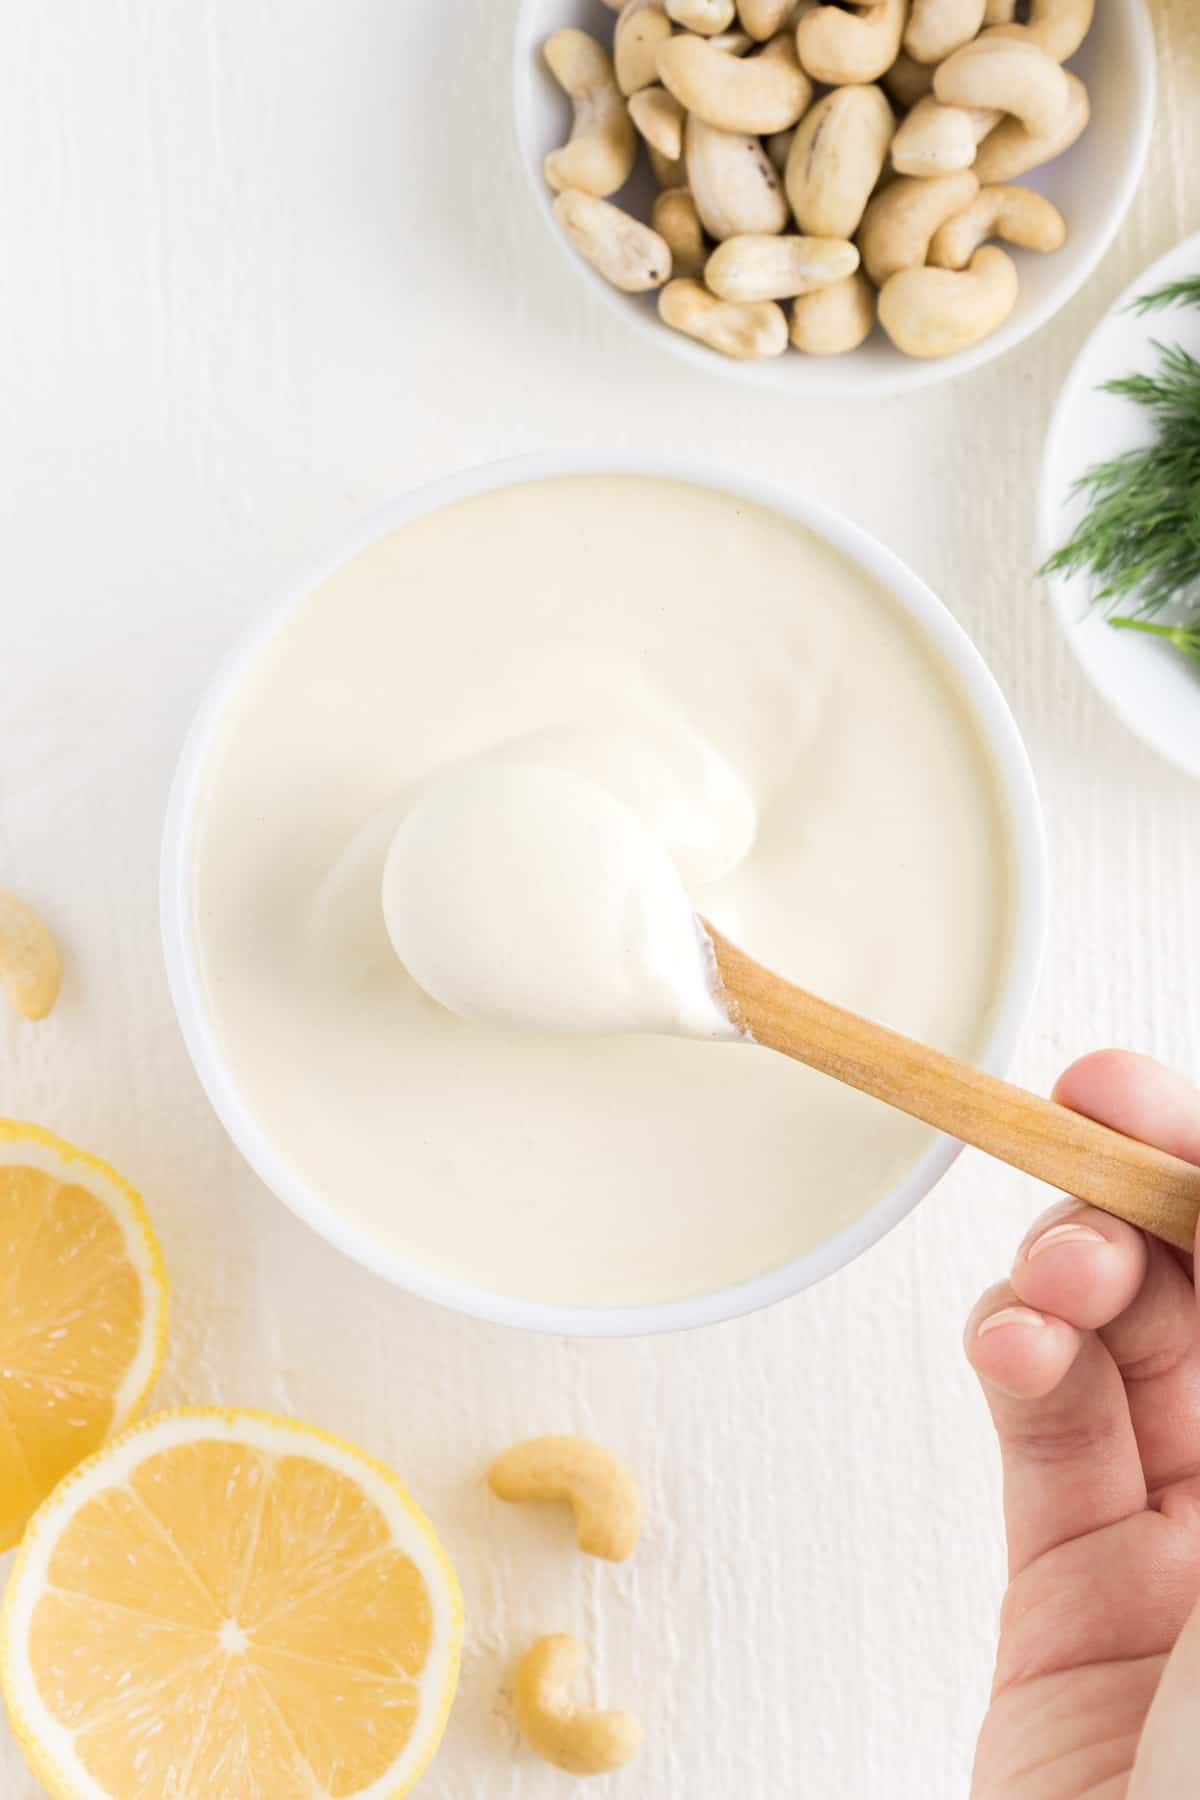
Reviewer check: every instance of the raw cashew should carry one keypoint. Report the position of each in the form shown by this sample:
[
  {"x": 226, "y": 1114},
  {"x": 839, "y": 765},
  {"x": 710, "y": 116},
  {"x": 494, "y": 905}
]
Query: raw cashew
[
  {"x": 641, "y": 28},
  {"x": 660, "y": 119},
  {"x": 747, "y": 269},
  {"x": 1056, "y": 26},
  {"x": 744, "y": 332},
  {"x": 936, "y": 139},
  {"x": 1016, "y": 214},
  {"x": 841, "y": 47},
  {"x": 596, "y": 1485},
  {"x": 908, "y": 81},
  {"x": 835, "y": 160},
  {"x": 626, "y": 252},
  {"x": 29, "y": 962},
  {"x": 762, "y": 93},
  {"x": 1009, "y": 76},
  {"x": 733, "y": 43},
  {"x": 1010, "y": 150},
  {"x": 598, "y": 159},
  {"x": 678, "y": 223},
  {"x": 735, "y": 188},
  {"x": 935, "y": 312},
  {"x": 937, "y": 27},
  {"x": 763, "y": 18},
  {"x": 708, "y": 17},
  {"x": 900, "y": 222},
  {"x": 832, "y": 320},
  {"x": 579, "y": 1739}
]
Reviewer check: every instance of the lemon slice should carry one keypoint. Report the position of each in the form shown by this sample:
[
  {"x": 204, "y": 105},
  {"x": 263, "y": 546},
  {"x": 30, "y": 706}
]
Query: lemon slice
[
  {"x": 83, "y": 1313},
  {"x": 227, "y": 1604}
]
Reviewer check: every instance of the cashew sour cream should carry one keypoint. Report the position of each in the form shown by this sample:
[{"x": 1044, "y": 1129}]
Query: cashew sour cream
[{"x": 457, "y": 824}]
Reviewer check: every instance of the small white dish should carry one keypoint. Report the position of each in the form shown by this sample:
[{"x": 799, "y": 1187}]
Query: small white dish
[
  {"x": 1153, "y": 689},
  {"x": 1093, "y": 185}
]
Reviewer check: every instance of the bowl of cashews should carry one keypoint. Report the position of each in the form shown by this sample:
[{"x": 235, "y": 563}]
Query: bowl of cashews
[{"x": 859, "y": 200}]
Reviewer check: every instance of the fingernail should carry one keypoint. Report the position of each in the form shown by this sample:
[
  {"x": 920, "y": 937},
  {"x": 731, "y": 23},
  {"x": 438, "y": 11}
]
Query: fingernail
[
  {"x": 1064, "y": 1234},
  {"x": 1010, "y": 1315}
]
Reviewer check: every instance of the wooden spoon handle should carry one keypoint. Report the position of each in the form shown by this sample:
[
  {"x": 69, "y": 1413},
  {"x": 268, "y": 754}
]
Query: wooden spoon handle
[{"x": 1133, "y": 1181}]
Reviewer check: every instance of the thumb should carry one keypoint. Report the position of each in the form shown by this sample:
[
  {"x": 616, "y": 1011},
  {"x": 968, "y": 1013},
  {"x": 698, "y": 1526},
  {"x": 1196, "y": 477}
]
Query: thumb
[{"x": 1169, "y": 1753}]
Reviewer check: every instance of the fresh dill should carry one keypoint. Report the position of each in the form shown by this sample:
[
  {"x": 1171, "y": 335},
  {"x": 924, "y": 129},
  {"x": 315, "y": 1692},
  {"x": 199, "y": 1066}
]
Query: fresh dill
[{"x": 1184, "y": 637}]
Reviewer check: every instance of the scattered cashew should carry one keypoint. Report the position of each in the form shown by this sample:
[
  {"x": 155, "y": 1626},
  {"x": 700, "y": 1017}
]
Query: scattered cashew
[
  {"x": 735, "y": 188},
  {"x": 626, "y": 252},
  {"x": 834, "y": 319},
  {"x": 29, "y": 962},
  {"x": 1010, "y": 150},
  {"x": 660, "y": 118},
  {"x": 842, "y": 48},
  {"x": 746, "y": 269},
  {"x": 1016, "y": 214},
  {"x": 708, "y": 17},
  {"x": 908, "y": 81},
  {"x": 935, "y": 312},
  {"x": 596, "y": 1485},
  {"x": 598, "y": 158},
  {"x": 900, "y": 222},
  {"x": 746, "y": 333},
  {"x": 580, "y": 1739},
  {"x": 641, "y": 28},
  {"x": 936, "y": 139},
  {"x": 678, "y": 224},
  {"x": 1009, "y": 76},
  {"x": 763, "y": 18},
  {"x": 1056, "y": 26},
  {"x": 835, "y": 160},
  {"x": 762, "y": 93},
  {"x": 937, "y": 27}
]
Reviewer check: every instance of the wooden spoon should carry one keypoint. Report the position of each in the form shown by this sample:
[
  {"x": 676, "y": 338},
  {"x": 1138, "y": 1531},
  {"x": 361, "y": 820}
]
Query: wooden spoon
[{"x": 1149, "y": 1188}]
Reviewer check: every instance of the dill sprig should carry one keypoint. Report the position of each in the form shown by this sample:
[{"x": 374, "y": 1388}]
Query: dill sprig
[{"x": 1184, "y": 637}]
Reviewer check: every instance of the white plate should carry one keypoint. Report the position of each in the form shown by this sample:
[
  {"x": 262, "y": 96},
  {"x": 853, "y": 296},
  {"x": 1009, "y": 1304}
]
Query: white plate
[{"x": 1151, "y": 686}]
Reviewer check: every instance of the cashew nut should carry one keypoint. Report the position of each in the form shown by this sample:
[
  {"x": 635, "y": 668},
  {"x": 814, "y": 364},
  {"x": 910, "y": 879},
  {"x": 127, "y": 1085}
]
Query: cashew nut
[
  {"x": 747, "y": 269},
  {"x": 763, "y": 18},
  {"x": 761, "y": 93},
  {"x": 841, "y": 47},
  {"x": 935, "y": 312},
  {"x": 1016, "y": 214},
  {"x": 938, "y": 27},
  {"x": 733, "y": 43},
  {"x": 1010, "y": 150},
  {"x": 900, "y": 222},
  {"x": 678, "y": 224},
  {"x": 735, "y": 188},
  {"x": 641, "y": 28},
  {"x": 596, "y": 1485},
  {"x": 835, "y": 160},
  {"x": 747, "y": 333},
  {"x": 936, "y": 139},
  {"x": 1009, "y": 76},
  {"x": 660, "y": 118},
  {"x": 29, "y": 962},
  {"x": 834, "y": 319},
  {"x": 908, "y": 81},
  {"x": 708, "y": 17},
  {"x": 1056, "y": 26},
  {"x": 598, "y": 158},
  {"x": 579, "y": 1739},
  {"x": 626, "y": 252}
]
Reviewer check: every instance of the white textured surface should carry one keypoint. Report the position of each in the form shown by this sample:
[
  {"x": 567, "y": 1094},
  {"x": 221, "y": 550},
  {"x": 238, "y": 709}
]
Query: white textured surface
[{"x": 264, "y": 263}]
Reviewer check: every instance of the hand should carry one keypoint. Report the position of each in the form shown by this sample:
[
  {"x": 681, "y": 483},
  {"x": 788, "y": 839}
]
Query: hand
[{"x": 1089, "y": 1357}]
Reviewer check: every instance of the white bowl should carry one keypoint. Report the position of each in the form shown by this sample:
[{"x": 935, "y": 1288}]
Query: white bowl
[
  {"x": 1150, "y": 686},
  {"x": 1016, "y": 987},
  {"x": 1092, "y": 184}
]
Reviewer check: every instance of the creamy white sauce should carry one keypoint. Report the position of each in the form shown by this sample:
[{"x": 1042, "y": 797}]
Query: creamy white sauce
[{"x": 713, "y": 711}]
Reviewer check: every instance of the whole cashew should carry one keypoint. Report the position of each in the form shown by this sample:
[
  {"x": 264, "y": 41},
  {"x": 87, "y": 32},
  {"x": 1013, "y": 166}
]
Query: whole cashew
[
  {"x": 579, "y": 1739},
  {"x": 1016, "y": 214},
  {"x": 747, "y": 333},
  {"x": 900, "y": 222},
  {"x": 1010, "y": 150},
  {"x": 834, "y": 319},
  {"x": 735, "y": 188},
  {"x": 746, "y": 269},
  {"x": 660, "y": 119},
  {"x": 908, "y": 81},
  {"x": 641, "y": 28},
  {"x": 841, "y": 47},
  {"x": 763, "y": 93},
  {"x": 29, "y": 962},
  {"x": 763, "y": 18},
  {"x": 836, "y": 156},
  {"x": 678, "y": 223},
  {"x": 937, "y": 27},
  {"x": 936, "y": 312},
  {"x": 626, "y": 252},
  {"x": 599, "y": 156},
  {"x": 733, "y": 43},
  {"x": 708, "y": 17},
  {"x": 596, "y": 1485},
  {"x": 1056, "y": 26},
  {"x": 1008, "y": 76},
  {"x": 936, "y": 139}
]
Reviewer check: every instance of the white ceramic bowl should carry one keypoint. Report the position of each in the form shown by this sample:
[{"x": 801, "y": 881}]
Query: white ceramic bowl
[
  {"x": 1016, "y": 985},
  {"x": 1150, "y": 686},
  {"x": 1093, "y": 184}
]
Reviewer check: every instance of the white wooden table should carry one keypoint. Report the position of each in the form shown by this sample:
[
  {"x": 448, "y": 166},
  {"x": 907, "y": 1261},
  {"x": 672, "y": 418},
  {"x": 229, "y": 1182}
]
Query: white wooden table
[{"x": 263, "y": 264}]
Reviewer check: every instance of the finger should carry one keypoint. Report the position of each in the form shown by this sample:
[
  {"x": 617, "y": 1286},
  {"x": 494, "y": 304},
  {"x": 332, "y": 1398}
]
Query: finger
[
  {"x": 1138, "y": 1096},
  {"x": 1169, "y": 1752},
  {"x": 1081, "y": 1265},
  {"x": 1070, "y": 1457}
]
